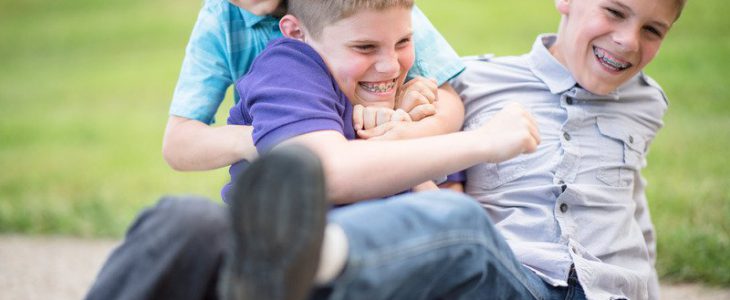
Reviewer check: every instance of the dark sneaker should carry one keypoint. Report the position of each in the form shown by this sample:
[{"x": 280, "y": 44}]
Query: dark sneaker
[{"x": 278, "y": 212}]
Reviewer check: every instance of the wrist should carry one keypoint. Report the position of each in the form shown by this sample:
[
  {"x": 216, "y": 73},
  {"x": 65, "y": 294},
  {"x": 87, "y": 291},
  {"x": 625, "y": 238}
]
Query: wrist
[{"x": 244, "y": 147}]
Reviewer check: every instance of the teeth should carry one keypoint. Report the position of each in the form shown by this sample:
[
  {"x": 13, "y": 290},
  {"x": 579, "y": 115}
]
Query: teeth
[
  {"x": 607, "y": 59},
  {"x": 381, "y": 87}
]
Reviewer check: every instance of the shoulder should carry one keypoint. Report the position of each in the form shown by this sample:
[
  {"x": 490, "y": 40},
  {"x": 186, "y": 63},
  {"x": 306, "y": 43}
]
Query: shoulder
[
  {"x": 488, "y": 68},
  {"x": 216, "y": 7},
  {"x": 643, "y": 87},
  {"x": 491, "y": 66},
  {"x": 286, "y": 64},
  {"x": 285, "y": 55}
]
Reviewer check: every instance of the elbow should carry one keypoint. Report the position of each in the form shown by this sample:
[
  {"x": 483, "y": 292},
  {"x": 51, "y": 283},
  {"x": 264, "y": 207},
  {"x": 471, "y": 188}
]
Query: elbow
[{"x": 170, "y": 156}]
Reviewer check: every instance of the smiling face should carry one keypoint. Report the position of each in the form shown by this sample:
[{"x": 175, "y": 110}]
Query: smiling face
[
  {"x": 604, "y": 43},
  {"x": 369, "y": 54}
]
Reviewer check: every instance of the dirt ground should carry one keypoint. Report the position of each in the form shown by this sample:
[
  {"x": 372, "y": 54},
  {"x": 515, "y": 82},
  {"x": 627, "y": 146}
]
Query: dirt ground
[{"x": 64, "y": 268}]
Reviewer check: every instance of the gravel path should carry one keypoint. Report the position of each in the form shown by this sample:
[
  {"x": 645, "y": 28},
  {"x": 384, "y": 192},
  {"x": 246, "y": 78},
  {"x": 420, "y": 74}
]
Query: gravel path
[{"x": 64, "y": 268}]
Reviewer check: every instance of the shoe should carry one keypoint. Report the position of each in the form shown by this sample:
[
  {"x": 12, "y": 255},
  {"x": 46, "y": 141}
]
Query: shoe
[{"x": 278, "y": 214}]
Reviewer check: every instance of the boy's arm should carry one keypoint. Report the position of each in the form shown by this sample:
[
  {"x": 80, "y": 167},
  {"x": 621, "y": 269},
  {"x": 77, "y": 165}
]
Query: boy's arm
[
  {"x": 643, "y": 218},
  {"x": 191, "y": 145},
  {"x": 387, "y": 167}
]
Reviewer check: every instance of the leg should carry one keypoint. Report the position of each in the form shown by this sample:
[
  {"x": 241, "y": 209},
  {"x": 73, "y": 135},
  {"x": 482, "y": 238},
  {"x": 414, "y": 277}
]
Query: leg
[
  {"x": 426, "y": 246},
  {"x": 278, "y": 214},
  {"x": 172, "y": 251}
]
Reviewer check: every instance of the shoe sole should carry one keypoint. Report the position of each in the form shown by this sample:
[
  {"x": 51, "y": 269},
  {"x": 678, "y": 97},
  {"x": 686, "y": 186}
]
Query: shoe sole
[{"x": 278, "y": 215}]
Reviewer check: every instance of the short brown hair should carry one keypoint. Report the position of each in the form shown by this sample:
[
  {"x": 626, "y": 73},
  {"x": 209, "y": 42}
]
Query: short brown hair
[
  {"x": 680, "y": 7},
  {"x": 316, "y": 14}
]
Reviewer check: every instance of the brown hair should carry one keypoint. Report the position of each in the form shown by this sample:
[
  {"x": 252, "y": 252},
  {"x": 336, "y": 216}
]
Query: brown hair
[
  {"x": 680, "y": 7},
  {"x": 316, "y": 14}
]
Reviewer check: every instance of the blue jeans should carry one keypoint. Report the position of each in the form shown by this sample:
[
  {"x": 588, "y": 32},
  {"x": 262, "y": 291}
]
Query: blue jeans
[{"x": 435, "y": 245}]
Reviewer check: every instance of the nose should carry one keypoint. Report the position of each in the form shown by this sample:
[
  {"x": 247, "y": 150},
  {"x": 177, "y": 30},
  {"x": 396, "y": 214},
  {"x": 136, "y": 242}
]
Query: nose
[
  {"x": 628, "y": 38},
  {"x": 387, "y": 63}
]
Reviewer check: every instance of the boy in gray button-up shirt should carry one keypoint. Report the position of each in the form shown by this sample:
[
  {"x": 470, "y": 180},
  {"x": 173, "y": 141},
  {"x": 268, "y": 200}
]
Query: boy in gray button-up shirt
[{"x": 578, "y": 202}]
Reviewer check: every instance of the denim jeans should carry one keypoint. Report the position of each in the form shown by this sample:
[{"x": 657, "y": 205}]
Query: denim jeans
[
  {"x": 433, "y": 245},
  {"x": 173, "y": 250}
]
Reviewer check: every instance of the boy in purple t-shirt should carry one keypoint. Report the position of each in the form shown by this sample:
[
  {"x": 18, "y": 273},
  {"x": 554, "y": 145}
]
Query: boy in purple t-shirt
[{"x": 303, "y": 87}]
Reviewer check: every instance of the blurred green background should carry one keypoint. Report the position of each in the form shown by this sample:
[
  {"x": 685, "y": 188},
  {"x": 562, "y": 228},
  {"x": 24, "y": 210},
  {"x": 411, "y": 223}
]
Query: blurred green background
[{"x": 85, "y": 86}]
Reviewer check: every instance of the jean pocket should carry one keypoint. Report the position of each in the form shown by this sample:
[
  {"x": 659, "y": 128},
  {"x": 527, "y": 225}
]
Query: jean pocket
[{"x": 621, "y": 155}]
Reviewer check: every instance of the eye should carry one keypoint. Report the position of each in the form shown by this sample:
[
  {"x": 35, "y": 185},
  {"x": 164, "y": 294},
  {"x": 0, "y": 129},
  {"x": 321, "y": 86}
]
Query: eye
[
  {"x": 652, "y": 30},
  {"x": 364, "y": 48},
  {"x": 403, "y": 43},
  {"x": 614, "y": 13}
]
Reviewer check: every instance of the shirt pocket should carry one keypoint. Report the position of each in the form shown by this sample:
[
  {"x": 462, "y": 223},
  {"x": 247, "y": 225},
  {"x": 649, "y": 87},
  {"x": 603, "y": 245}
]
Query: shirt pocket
[
  {"x": 622, "y": 152},
  {"x": 490, "y": 176}
]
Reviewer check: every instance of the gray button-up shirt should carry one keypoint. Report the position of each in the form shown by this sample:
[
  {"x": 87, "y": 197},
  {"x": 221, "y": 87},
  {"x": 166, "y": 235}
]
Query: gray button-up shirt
[{"x": 579, "y": 199}]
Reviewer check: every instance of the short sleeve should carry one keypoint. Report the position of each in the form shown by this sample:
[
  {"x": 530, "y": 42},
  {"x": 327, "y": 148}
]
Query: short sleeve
[
  {"x": 205, "y": 75},
  {"x": 434, "y": 56},
  {"x": 286, "y": 102}
]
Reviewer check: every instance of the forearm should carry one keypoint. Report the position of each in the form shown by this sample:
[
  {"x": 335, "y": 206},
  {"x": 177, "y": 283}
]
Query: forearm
[
  {"x": 382, "y": 168},
  {"x": 190, "y": 145}
]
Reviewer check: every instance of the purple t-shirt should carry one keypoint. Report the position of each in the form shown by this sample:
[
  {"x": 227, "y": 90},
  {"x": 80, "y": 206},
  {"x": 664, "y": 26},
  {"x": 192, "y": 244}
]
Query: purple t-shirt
[{"x": 288, "y": 92}]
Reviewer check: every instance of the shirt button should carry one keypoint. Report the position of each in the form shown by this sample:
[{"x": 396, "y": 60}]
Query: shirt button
[
  {"x": 569, "y": 101},
  {"x": 631, "y": 139},
  {"x": 563, "y": 207},
  {"x": 566, "y": 136}
]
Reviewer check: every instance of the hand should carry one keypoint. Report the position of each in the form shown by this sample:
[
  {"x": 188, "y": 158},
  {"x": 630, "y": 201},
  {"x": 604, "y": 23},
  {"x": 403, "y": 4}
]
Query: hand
[
  {"x": 417, "y": 96},
  {"x": 366, "y": 118},
  {"x": 511, "y": 132},
  {"x": 426, "y": 186},
  {"x": 371, "y": 122}
]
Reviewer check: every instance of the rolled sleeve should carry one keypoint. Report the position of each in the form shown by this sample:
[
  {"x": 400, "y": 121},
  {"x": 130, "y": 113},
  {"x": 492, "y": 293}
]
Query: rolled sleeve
[
  {"x": 435, "y": 58},
  {"x": 205, "y": 75}
]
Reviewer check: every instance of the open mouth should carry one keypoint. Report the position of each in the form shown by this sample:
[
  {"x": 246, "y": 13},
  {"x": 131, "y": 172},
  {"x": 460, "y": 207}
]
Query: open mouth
[
  {"x": 609, "y": 61},
  {"x": 379, "y": 87}
]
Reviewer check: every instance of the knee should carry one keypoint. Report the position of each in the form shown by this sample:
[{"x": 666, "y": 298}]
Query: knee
[
  {"x": 459, "y": 205},
  {"x": 455, "y": 209},
  {"x": 185, "y": 217}
]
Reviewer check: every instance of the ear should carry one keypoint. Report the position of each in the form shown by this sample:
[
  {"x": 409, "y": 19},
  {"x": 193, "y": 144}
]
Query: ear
[
  {"x": 563, "y": 6},
  {"x": 291, "y": 27}
]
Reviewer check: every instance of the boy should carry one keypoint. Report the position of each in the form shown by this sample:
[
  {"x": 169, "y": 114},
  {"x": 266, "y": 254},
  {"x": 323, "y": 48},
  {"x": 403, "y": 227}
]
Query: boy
[
  {"x": 303, "y": 92},
  {"x": 302, "y": 89},
  {"x": 597, "y": 113},
  {"x": 227, "y": 37},
  {"x": 572, "y": 218}
]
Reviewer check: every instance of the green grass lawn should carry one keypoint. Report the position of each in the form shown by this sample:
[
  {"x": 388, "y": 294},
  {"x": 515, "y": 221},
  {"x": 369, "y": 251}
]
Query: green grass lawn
[{"x": 85, "y": 86}]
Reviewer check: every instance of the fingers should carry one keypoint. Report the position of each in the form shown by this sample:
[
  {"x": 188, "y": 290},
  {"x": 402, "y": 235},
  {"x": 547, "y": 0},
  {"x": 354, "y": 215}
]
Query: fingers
[
  {"x": 357, "y": 117},
  {"x": 375, "y": 132},
  {"x": 369, "y": 117},
  {"x": 401, "y": 116},
  {"x": 421, "y": 111},
  {"x": 416, "y": 92}
]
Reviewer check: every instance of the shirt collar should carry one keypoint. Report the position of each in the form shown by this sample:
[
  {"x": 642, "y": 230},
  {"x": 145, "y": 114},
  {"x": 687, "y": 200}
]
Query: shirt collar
[
  {"x": 250, "y": 20},
  {"x": 544, "y": 65},
  {"x": 547, "y": 68}
]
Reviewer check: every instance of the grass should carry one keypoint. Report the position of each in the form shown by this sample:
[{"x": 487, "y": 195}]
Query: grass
[{"x": 85, "y": 86}]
